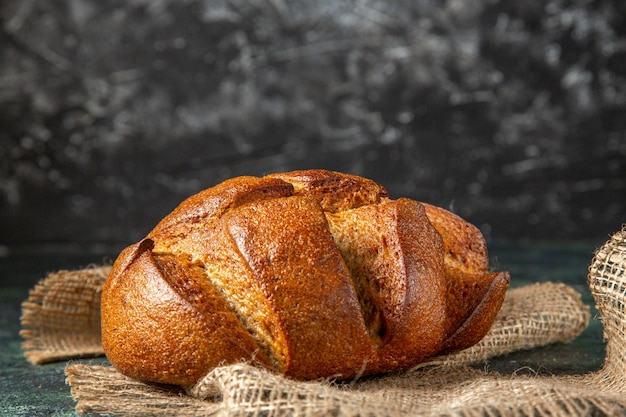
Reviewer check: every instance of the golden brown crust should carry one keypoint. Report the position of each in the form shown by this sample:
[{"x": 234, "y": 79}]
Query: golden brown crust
[
  {"x": 418, "y": 318},
  {"x": 465, "y": 246},
  {"x": 389, "y": 249},
  {"x": 474, "y": 300},
  {"x": 474, "y": 295},
  {"x": 156, "y": 330},
  {"x": 213, "y": 202},
  {"x": 289, "y": 237},
  {"x": 315, "y": 274},
  {"x": 334, "y": 191}
]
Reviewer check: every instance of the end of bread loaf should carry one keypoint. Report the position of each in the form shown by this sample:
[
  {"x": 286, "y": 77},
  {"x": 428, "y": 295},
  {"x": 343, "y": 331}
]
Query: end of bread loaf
[
  {"x": 465, "y": 246},
  {"x": 474, "y": 294},
  {"x": 164, "y": 322},
  {"x": 473, "y": 302},
  {"x": 314, "y": 274}
]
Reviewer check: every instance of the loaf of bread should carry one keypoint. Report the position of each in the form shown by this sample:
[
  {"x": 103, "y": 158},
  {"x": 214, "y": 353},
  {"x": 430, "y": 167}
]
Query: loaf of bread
[{"x": 314, "y": 274}]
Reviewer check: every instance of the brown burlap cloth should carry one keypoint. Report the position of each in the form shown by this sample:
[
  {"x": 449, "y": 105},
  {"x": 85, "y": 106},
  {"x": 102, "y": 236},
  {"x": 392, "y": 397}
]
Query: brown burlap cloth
[{"x": 61, "y": 321}]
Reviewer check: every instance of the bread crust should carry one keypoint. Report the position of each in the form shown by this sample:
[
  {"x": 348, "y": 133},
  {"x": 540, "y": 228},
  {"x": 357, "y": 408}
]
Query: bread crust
[
  {"x": 289, "y": 237},
  {"x": 314, "y": 274},
  {"x": 164, "y": 323}
]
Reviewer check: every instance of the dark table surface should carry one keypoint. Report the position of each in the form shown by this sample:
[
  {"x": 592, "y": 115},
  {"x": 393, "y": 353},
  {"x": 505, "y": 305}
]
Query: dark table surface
[{"x": 28, "y": 390}]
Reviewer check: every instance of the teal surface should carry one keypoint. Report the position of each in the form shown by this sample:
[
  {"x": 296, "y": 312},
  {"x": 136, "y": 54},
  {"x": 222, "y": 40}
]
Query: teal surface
[{"x": 28, "y": 390}]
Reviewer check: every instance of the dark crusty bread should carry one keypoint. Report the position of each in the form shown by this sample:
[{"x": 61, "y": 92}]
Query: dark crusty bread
[{"x": 314, "y": 274}]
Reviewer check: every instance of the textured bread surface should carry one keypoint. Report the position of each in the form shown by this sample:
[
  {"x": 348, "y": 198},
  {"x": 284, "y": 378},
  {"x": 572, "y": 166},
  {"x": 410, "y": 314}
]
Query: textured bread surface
[{"x": 314, "y": 274}]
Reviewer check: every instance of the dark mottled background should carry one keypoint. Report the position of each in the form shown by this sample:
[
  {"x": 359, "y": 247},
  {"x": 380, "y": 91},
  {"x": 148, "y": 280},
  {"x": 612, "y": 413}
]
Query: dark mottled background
[{"x": 511, "y": 113}]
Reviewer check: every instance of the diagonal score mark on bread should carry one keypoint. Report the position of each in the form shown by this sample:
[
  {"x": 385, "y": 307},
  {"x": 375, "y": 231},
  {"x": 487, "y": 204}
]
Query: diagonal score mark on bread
[
  {"x": 473, "y": 294},
  {"x": 314, "y": 274}
]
